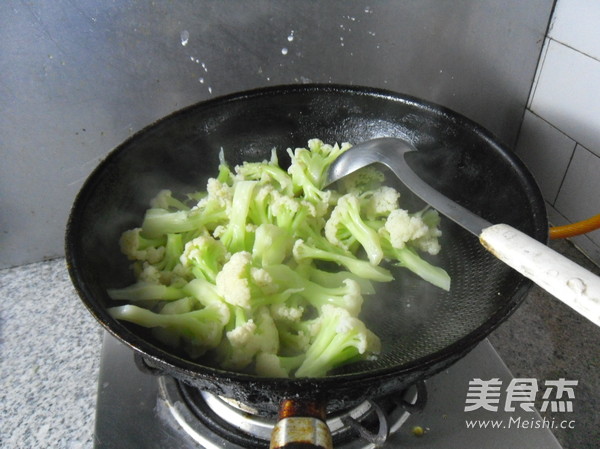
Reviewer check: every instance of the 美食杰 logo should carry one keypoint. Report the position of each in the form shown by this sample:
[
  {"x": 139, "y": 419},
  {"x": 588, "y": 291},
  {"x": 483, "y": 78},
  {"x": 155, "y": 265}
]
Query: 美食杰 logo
[
  {"x": 520, "y": 394},
  {"x": 556, "y": 395}
]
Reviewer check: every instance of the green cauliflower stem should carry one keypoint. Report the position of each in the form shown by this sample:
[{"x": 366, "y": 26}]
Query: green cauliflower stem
[
  {"x": 347, "y": 296},
  {"x": 173, "y": 250},
  {"x": 178, "y": 306},
  {"x": 233, "y": 234},
  {"x": 203, "y": 291},
  {"x": 165, "y": 200},
  {"x": 202, "y": 329},
  {"x": 308, "y": 171},
  {"x": 225, "y": 175},
  {"x": 266, "y": 173},
  {"x": 142, "y": 291},
  {"x": 260, "y": 211},
  {"x": 333, "y": 279},
  {"x": 408, "y": 258},
  {"x": 273, "y": 365},
  {"x": 346, "y": 226},
  {"x": 359, "y": 267},
  {"x": 158, "y": 222},
  {"x": 272, "y": 245}
]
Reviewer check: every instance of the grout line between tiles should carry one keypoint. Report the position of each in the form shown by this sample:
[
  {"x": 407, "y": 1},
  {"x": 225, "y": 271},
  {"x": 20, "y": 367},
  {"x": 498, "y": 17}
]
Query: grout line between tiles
[
  {"x": 570, "y": 47},
  {"x": 538, "y": 72},
  {"x": 553, "y": 126},
  {"x": 562, "y": 181}
]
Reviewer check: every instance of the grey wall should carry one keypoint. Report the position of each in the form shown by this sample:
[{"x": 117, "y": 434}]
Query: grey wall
[{"x": 78, "y": 77}]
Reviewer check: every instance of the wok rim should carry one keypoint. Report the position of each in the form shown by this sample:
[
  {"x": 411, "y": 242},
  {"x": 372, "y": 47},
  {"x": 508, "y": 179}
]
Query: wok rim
[{"x": 434, "y": 360}]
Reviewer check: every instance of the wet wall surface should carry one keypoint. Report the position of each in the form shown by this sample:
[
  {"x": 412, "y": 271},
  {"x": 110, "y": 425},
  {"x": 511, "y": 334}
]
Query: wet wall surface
[{"x": 78, "y": 78}]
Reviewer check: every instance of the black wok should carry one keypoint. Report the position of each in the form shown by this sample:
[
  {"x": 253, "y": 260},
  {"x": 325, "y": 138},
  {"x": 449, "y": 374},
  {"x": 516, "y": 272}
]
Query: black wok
[{"x": 423, "y": 329}]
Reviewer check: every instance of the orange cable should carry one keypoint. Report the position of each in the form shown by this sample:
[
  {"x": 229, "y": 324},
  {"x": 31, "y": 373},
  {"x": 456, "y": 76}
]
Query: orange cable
[{"x": 573, "y": 229}]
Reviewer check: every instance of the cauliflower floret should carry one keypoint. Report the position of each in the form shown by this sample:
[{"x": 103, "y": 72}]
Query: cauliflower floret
[
  {"x": 204, "y": 256},
  {"x": 290, "y": 212},
  {"x": 284, "y": 204},
  {"x": 249, "y": 337},
  {"x": 429, "y": 242},
  {"x": 232, "y": 281},
  {"x": 137, "y": 247},
  {"x": 242, "y": 334},
  {"x": 238, "y": 282},
  {"x": 218, "y": 193},
  {"x": 403, "y": 227},
  {"x": 262, "y": 279},
  {"x": 380, "y": 202},
  {"x": 341, "y": 337},
  {"x": 152, "y": 275},
  {"x": 149, "y": 273},
  {"x": 287, "y": 313}
]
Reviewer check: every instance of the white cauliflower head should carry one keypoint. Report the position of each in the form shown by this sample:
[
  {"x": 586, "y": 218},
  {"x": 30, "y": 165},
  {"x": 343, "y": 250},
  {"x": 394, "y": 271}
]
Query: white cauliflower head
[
  {"x": 233, "y": 282},
  {"x": 403, "y": 227},
  {"x": 380, "y": 202}
]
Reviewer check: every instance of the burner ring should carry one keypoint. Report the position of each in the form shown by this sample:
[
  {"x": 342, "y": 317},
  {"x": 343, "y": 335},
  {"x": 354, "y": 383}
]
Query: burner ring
[{"x": 216, "y": 422}]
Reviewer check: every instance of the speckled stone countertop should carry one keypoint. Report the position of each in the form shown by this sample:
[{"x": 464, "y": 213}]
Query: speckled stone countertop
[
  {"x": 50, "y": 357},
  {"x": 49, "y": 360}
]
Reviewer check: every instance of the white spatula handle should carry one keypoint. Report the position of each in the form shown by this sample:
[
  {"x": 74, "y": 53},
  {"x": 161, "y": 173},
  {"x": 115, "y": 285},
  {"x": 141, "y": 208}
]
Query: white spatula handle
[{"x": 559, "y": 276}]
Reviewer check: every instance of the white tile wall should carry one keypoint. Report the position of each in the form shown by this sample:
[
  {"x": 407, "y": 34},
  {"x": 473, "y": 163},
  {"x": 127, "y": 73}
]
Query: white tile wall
[
  {"x": 546, "y": 151},
  {"x": 576, "y": 24},
  {"x": 560, "y": 136},
  {"x": 567, "y": 94}
]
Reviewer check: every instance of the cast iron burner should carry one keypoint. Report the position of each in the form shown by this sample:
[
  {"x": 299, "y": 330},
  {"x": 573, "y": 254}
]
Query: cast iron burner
[{"x": 209, "y": 419}]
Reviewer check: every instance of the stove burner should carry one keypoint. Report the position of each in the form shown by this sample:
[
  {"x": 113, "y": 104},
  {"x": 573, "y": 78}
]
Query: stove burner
[{"x": 216, "y": 422}]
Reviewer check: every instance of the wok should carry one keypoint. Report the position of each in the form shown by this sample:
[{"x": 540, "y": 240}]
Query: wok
[{"x": 423, "y": 329}]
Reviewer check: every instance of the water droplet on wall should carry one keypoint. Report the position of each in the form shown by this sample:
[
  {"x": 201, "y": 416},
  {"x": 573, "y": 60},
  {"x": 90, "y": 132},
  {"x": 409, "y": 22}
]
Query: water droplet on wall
[{"x": 284, "y": 51}]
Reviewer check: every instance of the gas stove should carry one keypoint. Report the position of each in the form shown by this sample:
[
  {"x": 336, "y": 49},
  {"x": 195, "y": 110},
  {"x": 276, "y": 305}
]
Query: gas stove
[{"x": 139, "y": 410}]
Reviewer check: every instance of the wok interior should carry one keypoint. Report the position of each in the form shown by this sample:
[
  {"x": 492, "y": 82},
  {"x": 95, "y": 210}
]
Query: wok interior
[{"x": 413, "y": 319}]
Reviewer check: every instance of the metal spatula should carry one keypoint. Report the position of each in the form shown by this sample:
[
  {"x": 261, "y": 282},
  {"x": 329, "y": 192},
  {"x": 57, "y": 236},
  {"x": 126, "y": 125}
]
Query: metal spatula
[{"x": 567, "y": 281}]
